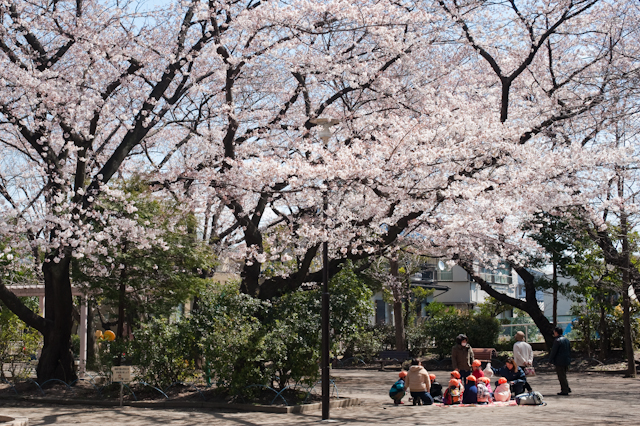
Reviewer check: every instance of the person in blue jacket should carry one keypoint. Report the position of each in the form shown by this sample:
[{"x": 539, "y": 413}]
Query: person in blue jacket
[
  {"x": 470, "y": 395},
  {"x": 397, "y": 391},
  {"x": 514, "y": 375}
]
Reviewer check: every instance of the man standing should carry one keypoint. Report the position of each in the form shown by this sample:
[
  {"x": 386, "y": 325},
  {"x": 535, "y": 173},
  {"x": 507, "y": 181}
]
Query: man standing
[{"x": 560, "y": 356}]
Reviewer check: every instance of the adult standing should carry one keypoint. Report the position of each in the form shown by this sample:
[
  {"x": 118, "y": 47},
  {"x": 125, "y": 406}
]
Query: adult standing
[
  {"x": 560, "y": 356},
  {"x": 522, "y": 352},
  {"x": 418, "y": 383},
  {"x": 462, "y": 356}
]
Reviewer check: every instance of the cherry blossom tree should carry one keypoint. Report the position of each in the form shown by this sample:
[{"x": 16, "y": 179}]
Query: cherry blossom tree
[
  {"x": 90, "y": 89},
  {"x": 575, "y": 60},
  {"x": 457, "y": 121}
]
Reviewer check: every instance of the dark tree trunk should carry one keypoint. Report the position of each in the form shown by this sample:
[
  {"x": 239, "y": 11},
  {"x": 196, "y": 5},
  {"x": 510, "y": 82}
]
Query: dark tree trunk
[
  {"x": 604, "y": 335},
  {"x": 56, "y": 360}
]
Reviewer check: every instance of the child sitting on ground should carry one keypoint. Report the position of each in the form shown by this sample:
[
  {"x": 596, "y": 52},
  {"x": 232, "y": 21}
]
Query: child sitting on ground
[
  {"x": 397, "y": 390},
  {"x": 503, "y": 391},
  {"x": 470, "y": 395},
  {"x": 487, "y": 382},
  {"x": 453, "y": 394},
  {"x": 455, "y": 375},
  {"x": 436, "y": 388},
  {"x": 477, "y": 371},
  {"x": 484, "y": 394}
]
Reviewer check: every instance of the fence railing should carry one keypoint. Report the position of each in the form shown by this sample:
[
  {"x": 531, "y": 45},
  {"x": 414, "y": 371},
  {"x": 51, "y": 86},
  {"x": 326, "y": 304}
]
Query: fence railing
[{"x": 530, "y": 330}]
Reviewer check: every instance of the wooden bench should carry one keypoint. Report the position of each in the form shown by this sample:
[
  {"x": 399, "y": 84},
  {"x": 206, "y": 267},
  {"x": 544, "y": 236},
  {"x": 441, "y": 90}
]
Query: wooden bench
[
  {"x": 484, "y": 354},
  {"x": 392, "y": 357}
]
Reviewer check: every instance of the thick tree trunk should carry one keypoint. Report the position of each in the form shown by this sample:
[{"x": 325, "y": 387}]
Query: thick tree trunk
[{"x": 56, "y": 360}]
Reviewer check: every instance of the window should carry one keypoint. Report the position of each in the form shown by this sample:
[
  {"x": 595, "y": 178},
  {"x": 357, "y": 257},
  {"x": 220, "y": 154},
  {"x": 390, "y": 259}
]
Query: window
[{"x": 502, "y": 275}]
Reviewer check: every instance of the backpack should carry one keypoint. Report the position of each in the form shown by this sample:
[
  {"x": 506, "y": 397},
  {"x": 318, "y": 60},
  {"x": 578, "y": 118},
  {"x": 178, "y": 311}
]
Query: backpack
[
  {"x": 483, "y": 393},
  {"x": 530, "y": 398},
  {"x": 452, "y": 396}
]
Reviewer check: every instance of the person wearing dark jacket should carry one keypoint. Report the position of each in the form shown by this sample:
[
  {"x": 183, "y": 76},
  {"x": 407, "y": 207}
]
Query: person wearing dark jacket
[
  {"x": 515, "y": 376},
  {"x": 560, "y": 356},
  {"x": 470, "y": 395},
  {"x": 436, "y": 388},
  {"x": 462, "y": 356}
]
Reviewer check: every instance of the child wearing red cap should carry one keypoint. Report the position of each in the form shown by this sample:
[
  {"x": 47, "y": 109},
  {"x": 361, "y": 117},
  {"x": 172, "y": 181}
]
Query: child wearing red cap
[
  {"x": 455, "y": 375},
  {"x": 484, "y": 392},
  {"x": 453, "y": 394},
  {"x": 397, "y": 391},
  {"x": 503, "y": 391},
  {"x": 436, "y": 388},
  {"x": 470, "y": 395},
  {"x": 477, "y": 371}
]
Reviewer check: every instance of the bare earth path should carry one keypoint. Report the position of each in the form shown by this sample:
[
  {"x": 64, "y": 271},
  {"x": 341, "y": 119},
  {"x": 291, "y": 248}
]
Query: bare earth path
[{"x": 597, "y": 399}]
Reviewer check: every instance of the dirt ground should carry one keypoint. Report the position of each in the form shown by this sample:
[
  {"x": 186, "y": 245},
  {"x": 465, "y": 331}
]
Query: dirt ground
[{"x": 597, "y": 399}]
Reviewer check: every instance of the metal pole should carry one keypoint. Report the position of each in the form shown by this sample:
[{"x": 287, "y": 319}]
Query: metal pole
[
  {"x": 325, "y": 323},
  {"x": 325, "y": 134}
]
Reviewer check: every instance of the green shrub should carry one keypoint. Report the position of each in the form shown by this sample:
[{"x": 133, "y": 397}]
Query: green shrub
[
  {"x": 445, "y": 323},
  {"x": 157, "y": 351},
  {"x": 18, "y": 343}
]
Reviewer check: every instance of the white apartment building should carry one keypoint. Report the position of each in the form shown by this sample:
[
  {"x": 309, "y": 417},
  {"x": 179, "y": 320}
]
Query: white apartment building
[{"x": 454, "y": 287}]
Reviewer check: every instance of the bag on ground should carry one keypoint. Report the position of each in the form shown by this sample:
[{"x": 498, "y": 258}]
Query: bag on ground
[
  {"x": 452, "y": 396},
  {"x": 530, "y": 398},
  {"x": 488, "y": 372}
]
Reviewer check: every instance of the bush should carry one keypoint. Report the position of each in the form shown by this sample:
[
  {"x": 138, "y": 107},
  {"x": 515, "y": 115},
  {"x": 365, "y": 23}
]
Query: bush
[
  {"x": 445, "y": 323},
  {"x": 241, "y": 341},
  {"x": 157, "y": 351},
  {"x": 18, "y": 343}
]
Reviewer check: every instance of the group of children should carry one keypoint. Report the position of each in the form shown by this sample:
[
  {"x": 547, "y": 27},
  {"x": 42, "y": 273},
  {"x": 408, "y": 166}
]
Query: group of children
[{"x": 476, "y": 390}]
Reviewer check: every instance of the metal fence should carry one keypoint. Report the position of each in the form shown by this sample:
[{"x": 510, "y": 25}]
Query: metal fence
[{"x": 530, "y": 330}]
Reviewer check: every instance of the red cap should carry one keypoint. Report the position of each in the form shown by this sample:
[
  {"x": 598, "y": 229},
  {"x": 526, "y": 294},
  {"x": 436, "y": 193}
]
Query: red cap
[
  {"x": 455, "y": 374},
  {"x": 476, "y": 363},
  {"x": 502, "y": 380},
  {"x": 402, "y": 374},
  {"x": 484, "y": 379},
  {"x": 454, "y": 382},
  {"x": 471, "y": 378},
  {"x": 432, "y": 377}
]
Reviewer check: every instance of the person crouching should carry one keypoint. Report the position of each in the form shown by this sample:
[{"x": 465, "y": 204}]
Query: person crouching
[
  {"x": 418, "y": 383},
  {"x": 397, "y": 391}
]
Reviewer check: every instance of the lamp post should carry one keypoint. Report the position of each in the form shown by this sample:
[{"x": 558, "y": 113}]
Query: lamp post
[{"x": 325, "y": 134}]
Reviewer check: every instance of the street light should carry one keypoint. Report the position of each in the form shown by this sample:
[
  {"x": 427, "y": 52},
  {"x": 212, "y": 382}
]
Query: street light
[{"x": 325, "y": 134}]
